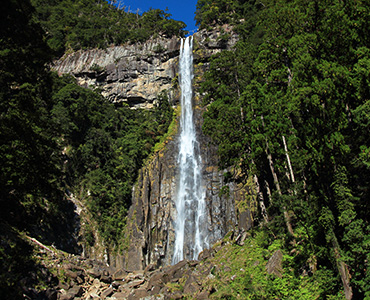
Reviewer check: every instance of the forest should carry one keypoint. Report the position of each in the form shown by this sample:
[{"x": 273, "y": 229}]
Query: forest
[
  {"x": 58, "y": 138},
  {"x": 289, "y": 109}
]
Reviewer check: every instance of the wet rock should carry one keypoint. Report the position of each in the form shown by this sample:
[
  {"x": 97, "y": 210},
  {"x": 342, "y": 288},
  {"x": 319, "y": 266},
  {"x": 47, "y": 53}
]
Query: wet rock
[{"x": 152, "y": 214}]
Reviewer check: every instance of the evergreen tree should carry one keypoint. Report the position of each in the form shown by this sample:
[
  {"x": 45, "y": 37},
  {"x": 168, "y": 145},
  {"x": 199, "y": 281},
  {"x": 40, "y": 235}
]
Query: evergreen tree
[{"x": 295, "y": 122}]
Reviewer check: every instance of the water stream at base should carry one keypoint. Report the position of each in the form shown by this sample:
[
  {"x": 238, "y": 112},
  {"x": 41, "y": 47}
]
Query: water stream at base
[{"x": 190, "y": 223}]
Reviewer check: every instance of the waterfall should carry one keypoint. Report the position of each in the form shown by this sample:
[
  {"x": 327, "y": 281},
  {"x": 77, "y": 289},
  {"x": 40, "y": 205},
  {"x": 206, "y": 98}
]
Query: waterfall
[{"x": 191, "y": 231}]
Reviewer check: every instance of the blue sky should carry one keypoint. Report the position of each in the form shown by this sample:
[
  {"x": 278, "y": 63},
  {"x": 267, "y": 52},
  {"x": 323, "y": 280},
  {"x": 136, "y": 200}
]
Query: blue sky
[{"x": 181, "y": 10}]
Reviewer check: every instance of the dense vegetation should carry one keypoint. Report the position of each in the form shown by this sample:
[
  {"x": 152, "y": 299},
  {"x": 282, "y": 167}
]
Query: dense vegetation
[
  {"x": 290, "y": 109},
  {"x": 59, "y": 139},
  {"x": 81, "y": 24}
]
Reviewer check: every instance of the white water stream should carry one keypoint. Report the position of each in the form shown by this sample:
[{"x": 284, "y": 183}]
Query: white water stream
[{"x": 191, "y": 231}]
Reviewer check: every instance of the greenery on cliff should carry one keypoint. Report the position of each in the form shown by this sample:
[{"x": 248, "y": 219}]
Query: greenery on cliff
[
  {"x": 59, "y": 139},
  {"x": 290, "y": 107}
]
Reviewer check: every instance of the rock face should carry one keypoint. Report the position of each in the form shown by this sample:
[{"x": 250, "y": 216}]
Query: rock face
[
  {"x": 134, "y": 73},
  {"x": 150, "y": 232},
  {"x": 137, "y": 73}
]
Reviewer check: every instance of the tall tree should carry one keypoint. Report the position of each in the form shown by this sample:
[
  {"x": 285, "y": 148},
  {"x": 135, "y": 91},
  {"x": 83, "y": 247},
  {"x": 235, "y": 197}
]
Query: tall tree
[{"x": 300, "y": 107}]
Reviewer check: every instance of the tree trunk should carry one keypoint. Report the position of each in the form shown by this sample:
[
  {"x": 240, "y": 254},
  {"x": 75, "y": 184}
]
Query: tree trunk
[
  {"x": 277, "y": 185},
  {"x": 276, "y": 181},
  {"x": 260, "y": 199},
  {"x": 288, "y": 160},
  {"x": 342, "y": 268}
]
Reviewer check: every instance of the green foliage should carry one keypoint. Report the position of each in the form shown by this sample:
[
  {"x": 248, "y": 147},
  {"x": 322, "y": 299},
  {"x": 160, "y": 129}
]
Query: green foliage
[
  {"x": 240, "y": 273},
  {"x": 29, "y": 164},
  {"x": 210, "y": 13},
  {"x": 16, "y": 260},
  {"x": 86, "y": 24},
  {"x": 299, "y": 72},
  {"x": 214, "y": 12},
  {"x": 58, "y": 138},
  {"x": 106, "y": 147}
]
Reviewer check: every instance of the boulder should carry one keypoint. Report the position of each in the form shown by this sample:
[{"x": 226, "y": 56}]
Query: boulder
[
  {"x": 204, "y": 254},
  {"x": 177, "y": 271},
  {"x": 120, "y": 274},
  {"x": 138, "y": 294},
  {"x": 275, "y": 264},
  {"x": 95, "y": 272},
  {"x": 72, "y": 293},
  {"x": 51, "y": 294},
  {"x": 120, "y": 295},
  {"x": 106, "y": 293},
  {"x": 156, "y": 282}
]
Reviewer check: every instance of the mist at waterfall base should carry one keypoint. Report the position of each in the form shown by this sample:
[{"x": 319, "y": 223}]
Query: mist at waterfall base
[{"x": 191, "y": 231}]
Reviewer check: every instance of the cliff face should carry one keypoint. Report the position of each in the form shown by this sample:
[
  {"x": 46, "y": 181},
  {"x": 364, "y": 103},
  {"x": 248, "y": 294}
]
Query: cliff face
[
  {"x": 150, "y": 229},
  {"x": 136, "y": 74}
]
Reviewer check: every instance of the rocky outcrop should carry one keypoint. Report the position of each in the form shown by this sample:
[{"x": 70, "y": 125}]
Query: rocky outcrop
[
  {"x": 137, "y": 73},
  {"x": 132, "y": 73},
  {"x": 275, "y": 264},
  {"x": 150, "y": 230},
  {"x": 69, "y": 276},
  {"x": 66, "y": 276}
]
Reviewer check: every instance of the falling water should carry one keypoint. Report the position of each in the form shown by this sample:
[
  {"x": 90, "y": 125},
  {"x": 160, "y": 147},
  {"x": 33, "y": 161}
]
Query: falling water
[{"x": 190, "y": 224}]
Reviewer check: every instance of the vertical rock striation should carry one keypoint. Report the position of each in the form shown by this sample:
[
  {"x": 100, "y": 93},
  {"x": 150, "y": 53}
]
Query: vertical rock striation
[
  {"x": 150, "y": 232},
  {"x": 136, "y": 74}
]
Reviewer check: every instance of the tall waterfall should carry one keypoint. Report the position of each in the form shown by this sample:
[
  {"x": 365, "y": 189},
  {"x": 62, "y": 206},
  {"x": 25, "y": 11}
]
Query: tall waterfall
[{"x": 191, "y": 232}]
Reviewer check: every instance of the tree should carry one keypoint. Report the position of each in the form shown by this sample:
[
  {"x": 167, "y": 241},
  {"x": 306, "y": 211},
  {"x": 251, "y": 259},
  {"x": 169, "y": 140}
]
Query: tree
[{"x": 296, "y": 118}]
